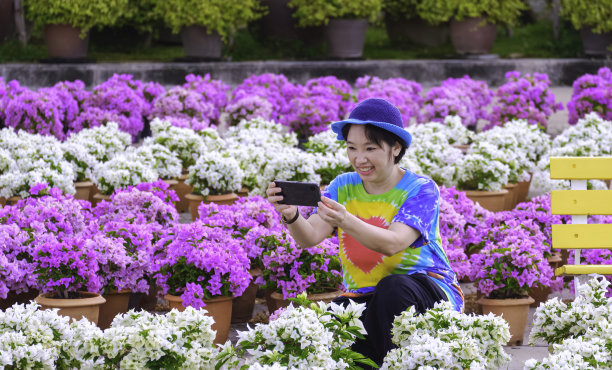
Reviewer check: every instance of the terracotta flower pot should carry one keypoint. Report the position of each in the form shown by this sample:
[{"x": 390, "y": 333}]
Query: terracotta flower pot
[
  {"x": 116, "y": 303},
  {"x": 223, "y": 199},
  {"x": 244, "y": 192},
  {"x": 83, "y": 188},
  {"x": 194, "y": 203},
  {"x": 17, "y": 298},
  {"x": 98, "y": 197},
  {"x": 93, "y": 191},
  {"x": 219, "y": 308},
  {"x": 199, "y": 43},
  {"x": 171, "y": 183},
  {"x": 523, "y": 190},
  {"x": 13, "y": 200},
  {"x": 88, "y": 306},
  {"x": 196, "y": 199},
  {"x": 514, "y": 311},
  {"x": 491, "y": 200},
  {"x": 63, "y": 41},
  {"x": 472, "y": 36},
  {"x": 242, "y": 307},
  {"x": 345, "y": 38},
  {"x": 511, "y": 197},
  {"x": 326, "y": 297},
  {"x": 182, "y": 190},
  {"x": 2, "y": 202}
]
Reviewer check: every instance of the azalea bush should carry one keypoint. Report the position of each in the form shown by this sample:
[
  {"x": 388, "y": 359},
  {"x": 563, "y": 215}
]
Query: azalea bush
[
  {"x": 305, "y": 336},
  {"x": 200, "y": 263},
  {"x": 445, "y": 338}
]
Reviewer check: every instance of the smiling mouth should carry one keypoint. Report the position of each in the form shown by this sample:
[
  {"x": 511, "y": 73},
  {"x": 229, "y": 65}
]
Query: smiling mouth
[{"x": 365, "y": 169}]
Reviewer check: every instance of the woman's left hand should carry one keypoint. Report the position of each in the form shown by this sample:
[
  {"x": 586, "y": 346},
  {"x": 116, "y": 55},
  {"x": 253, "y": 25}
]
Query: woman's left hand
[{"x": 332, "y": 212}]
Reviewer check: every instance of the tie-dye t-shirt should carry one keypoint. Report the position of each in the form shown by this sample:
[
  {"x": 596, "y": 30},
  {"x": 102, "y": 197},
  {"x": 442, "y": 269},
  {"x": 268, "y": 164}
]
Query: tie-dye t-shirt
[{"x": 414, "y": 201}]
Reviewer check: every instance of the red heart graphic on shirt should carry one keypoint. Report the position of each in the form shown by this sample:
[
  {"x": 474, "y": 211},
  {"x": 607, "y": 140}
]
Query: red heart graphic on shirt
[{"x": 363, "y": 258}]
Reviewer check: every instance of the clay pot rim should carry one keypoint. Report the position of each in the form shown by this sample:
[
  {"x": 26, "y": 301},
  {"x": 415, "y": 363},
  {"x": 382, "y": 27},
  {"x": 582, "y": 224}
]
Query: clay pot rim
[
  {"x": 511, "y": 185},
  {"x": 101, "y": 196},
  {"x": 171, "y": 181},
  {"x": 485, "y": 192},
  {"x": 315, "y": 296},
  {"x": 92, "y": 299},
  {"x": 117, "y": 292},
  {"x": 192, "y": 196},
  {"x": 82, "y": 184},
  {"x": 176, "y": 298},
  {"x": 222, "y": 196},
  {"x": 506, "y": 302}
]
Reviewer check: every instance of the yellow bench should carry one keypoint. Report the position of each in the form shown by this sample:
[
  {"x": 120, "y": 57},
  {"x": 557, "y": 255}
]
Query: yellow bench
[{"x": 579, "y": 203}]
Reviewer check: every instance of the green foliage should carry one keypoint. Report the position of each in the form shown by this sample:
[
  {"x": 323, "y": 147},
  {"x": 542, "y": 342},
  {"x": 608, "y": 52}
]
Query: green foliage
[
  {"x": 400, "y": 9},
  {"x": 222, "y": 16},
  {"x": 83, "y": 14},
  {"x": 319, "y": 12},
  {"x": 141, "y": 15},
  {"x": 594, "y": 14},
  {"x": 494, "y": 11}
]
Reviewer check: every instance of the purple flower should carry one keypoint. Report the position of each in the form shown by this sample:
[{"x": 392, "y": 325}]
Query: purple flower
[
  {"x": 35, "y": 112},
  {"x": 462, "y": 97},
  {"x": 527, "y": 97},
  {"x": 213, "y": 92},
  {"x": 404, "y": 94},
  {"x": 123, "y": 95},
  {"x": 185, "y": 105},
  {"x": 591, "y": 93},
  {"x": 94, "y": 117},
  {"x": 202, "y": 255},
  {"x": 246, "y": 107}
]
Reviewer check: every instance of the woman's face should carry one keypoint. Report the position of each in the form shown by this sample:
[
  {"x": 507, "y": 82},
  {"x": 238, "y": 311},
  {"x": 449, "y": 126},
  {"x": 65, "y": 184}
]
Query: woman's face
[{"x": 373, "y": 162}]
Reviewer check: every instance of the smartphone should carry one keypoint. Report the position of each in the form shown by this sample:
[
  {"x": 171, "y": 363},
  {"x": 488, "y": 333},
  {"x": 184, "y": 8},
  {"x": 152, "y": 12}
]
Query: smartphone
[{"x": 299, "y": 193}]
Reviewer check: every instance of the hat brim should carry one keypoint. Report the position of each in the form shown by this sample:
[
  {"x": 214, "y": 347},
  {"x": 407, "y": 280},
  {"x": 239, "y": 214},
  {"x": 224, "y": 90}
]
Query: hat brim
[{"x": 400, "y": 132}]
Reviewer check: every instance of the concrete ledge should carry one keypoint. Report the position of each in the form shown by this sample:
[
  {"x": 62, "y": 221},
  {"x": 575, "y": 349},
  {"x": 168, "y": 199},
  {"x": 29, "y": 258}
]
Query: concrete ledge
[{"x": 562, "y": 72}]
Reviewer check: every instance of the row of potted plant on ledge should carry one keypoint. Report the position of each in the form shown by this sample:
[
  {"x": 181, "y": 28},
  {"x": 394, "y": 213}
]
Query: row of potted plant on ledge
[
  {"x": 206, "y": 25},
  {"x": 202, "y": 102}
]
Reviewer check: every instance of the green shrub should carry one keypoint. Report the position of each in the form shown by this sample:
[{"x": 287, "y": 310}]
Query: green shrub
[
  {"x": 83, "y": 14},
  {"x": 494, "y": 11},
  {"x": 400, "y": 9},
  {"x": 222, "y": 16},
  {"x": 593, "y": 14},
  {"x": 319, "y": 12}
]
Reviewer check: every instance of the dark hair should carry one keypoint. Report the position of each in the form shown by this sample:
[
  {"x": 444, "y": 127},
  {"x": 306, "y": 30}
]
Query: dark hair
[{"x": 378, "y": 135}]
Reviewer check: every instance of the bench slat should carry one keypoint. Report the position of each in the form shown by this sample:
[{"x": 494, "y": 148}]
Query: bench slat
[
  {"x": 591, "y": 236},
  {"x": 581, "y": 202},
  {"x": 583, "y": 270},
  {"x": 581, "y": 168}
]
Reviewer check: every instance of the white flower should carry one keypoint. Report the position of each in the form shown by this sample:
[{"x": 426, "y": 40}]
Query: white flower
[
  {"x": 103, "y": 142},
  {"x": 215, "y": 173},
  {"x": 165, "y": 162},
  {"x": 183, "y": 142},
  {"x": 122, "y": 171}
]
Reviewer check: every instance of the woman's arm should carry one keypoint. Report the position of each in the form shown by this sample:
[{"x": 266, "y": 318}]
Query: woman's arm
[
  {"x": 306, "y": 233},
  {"x": 389, "y": 241}
]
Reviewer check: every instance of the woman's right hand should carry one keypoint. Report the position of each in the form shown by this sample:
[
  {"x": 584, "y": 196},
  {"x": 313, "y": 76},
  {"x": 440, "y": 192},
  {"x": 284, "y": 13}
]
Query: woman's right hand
[{"x": 284, "y": 209}]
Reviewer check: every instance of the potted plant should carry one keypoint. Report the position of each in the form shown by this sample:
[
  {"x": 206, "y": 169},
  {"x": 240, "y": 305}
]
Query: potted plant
[
  {"x": 473, "y": 23},
  {"x": 594, "y": 20},
  {"x": 202, "y": 267},
  {"x": 66, "y": 23},
  {"x": 205, "y": 25},
  {"x": 166, "y": 163},
  {"x": 83, "y": 164},
  {"x": 405, "y": 26},
  {"x": 67, "y": 273},
  {"x": 121, "y": 171},
  {"x": 508, "y": 266},
  {"x": 589, "y": 94},
  {"x": 215, "y": 177},
  {"x": 482, "y": 177},
  {"x": 346, "y": 21},
  {"x": 289, "y": 270},
  {"x": 302, "y": 337}
]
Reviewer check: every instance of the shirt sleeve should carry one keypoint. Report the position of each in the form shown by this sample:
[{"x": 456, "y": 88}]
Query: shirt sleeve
[{"x": 420, "y": 211}]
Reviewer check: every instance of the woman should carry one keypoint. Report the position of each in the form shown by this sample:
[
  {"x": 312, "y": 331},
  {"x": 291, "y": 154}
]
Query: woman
[{"x": 387, "y": 221}]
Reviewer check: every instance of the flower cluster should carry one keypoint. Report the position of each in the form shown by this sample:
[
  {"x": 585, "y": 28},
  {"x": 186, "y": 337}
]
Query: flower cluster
[
  {"x": 580, "y": 332},
  {"x": 122, "y": 171},
  {"x": 211, "y": 91},
  {"x": 307, "y": 336},
  {"x": 404, "y": 94},
  {"x": 36, "y": 113},
  {"x": 461, "y": 97},
  {"x": 183, "y": 105},
  {"x": 445, "y": 338},
  {"x": 524, "y": 97},
  {"x": 591, "y": 93},
  {"x": 215, "y": 173},
  {"x": 200, "y": 263},
  {"x": 292, "y": 270}
]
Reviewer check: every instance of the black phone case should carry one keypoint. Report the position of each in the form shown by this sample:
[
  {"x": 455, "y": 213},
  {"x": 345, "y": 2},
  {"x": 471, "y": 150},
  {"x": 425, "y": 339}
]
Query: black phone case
[{"x": 299, "y": 193}]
